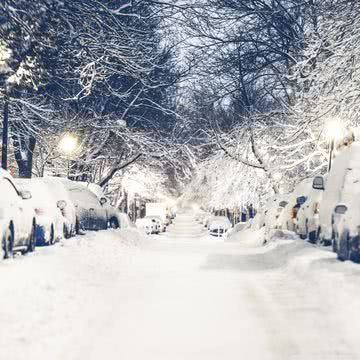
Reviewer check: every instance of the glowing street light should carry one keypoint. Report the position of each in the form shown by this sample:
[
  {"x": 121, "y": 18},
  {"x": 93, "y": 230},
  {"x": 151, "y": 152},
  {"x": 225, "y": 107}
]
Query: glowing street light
[{"x": 68, "y": 144}]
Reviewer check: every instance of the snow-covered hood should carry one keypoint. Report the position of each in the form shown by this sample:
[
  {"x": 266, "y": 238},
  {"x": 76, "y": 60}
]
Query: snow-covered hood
[{"x": 221, "y": 223}]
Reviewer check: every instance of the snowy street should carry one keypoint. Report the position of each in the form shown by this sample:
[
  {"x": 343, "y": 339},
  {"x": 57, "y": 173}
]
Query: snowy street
[{"x": 180, "y": 295}]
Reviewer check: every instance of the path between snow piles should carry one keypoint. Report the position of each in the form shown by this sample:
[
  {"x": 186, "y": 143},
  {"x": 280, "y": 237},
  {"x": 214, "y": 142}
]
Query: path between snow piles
[{"x": 178, "y": 296}]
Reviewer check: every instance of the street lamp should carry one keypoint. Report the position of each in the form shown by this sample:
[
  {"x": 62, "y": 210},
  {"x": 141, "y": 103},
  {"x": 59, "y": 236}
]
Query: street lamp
[
  {"x": 68, "y": 145},
  {"x": 333, "y": 131}
]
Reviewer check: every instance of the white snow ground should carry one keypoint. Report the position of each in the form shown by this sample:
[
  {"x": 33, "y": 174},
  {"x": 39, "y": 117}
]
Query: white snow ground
[{"x": 178, "y": 296}]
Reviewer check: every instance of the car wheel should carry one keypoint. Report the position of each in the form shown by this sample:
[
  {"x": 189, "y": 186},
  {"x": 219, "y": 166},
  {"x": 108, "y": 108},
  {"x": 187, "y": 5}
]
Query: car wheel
[
  {"x": 334, "y": 241},
  {"x": 354, "y": 254},
  {"x": 66, "y": 232},
  {"x": 32, "y": 239},
  {"x": 8, "y": 243},
  {"x": 77, "y": 227},
  {"x": 312, "y": 237},
  {"x": 114, "y": 224},
  {"x": 343, "y": 250},
  {"x": 318, "y": 233},
  {"x": 302, "y": 236},
  {"x": 52, "y": 235}
]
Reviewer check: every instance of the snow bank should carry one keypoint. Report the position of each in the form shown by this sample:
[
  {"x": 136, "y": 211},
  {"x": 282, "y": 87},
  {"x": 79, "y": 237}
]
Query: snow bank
[{"x": 248, "y": 237}]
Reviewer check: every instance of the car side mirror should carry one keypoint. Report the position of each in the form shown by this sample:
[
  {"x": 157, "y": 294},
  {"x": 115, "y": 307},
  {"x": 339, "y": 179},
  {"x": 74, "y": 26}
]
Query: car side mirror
[
  {"x": 341, "y": 209},
  {"x": 61, "y": 204},
  {"x": 103, "y": 200},
  {"x": 318, "y": 183},
  {"x": 25, "y": 195}
]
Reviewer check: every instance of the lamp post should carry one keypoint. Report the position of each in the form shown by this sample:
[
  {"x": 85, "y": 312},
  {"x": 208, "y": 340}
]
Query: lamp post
[
  {"x": 333, "y": 130},
  {"x": 68, "y": 145}
]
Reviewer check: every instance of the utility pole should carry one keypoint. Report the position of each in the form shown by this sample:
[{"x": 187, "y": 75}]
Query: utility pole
[{"x": 5, "y": 133}]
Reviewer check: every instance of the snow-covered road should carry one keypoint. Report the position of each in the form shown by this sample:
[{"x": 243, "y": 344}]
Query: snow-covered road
[{"x": 178, "y": 296}]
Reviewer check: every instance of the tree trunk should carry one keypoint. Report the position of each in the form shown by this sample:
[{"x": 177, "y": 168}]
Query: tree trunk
[
  {"x": 5, "y": 134},
  {"x": 24, "y": 151}
]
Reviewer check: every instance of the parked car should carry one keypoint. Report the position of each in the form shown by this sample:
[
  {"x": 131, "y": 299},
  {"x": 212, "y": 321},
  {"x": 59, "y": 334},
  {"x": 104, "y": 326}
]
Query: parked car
[
  {"x": 92, "y": 213},
  {"x": 219, "y": 225},
  {"x": 272, "y": 211},
  {"x": 258, "y": 221},
  {"x": 340, "y": 209},
  {"x": 161, "y": 227},
  {"x": 17, "y": 217},
  {"x": 150, "y": 226},
  {"x": 113, "y": 214},
  {"x": 209, "y": 218},
  {"x": 307, "y": 218},
  {"x": 339, "y": 227},
  {"x": 287, "y": 219},
  {"x": 49, "y": 220},
  {"x": 64, "y": 203}
]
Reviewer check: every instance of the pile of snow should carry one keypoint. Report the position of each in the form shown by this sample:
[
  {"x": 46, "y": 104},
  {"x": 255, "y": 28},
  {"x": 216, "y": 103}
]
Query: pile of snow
[{"x": 248, "y": 237}]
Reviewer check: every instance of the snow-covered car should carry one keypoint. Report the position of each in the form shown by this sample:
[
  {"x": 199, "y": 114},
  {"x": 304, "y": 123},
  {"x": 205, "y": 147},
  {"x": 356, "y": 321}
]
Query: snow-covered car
[
  {"x": 307, "y": 218},
  {"x": 161, "y": 227},
  {"x": 64, "y": 203},
  {"x": 272, "y": 211},
  {"x": 150, "y": 226},
  {"x": 172, "y": 214},
  {"x": 342, "y": 187},
  {"x": 92, "y": 213},
  {"x": 113, "y": 214},
  {"x": 238, "y": 228},
  {"x": 49, "y": 220},
  {"x": 341, "y": 198},
  {"x": 159, "y": 210},
  {"x": 17, "y": 217},
  {"x": 258, "y": 221},
  {"x": 219, "y": 225},
  {"x": 287, "y": 218}
]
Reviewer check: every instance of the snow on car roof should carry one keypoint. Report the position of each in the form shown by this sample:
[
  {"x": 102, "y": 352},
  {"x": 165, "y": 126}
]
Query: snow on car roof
[
  {"x": 343, "y": 181},
  {"x": 95, "y": 188},
  {"x": 5, "y": 174},
  {"x": 41, "y": 195}
]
